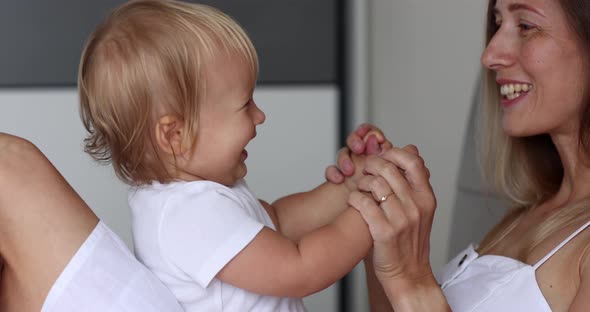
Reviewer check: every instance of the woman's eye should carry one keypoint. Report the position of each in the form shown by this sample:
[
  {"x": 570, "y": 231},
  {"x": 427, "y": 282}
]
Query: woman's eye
[{"x": 525, "y": 27}]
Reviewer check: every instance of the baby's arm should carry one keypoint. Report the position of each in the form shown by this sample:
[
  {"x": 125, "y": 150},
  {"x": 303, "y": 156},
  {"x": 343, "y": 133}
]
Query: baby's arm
[
  {"x": 323, "y": 239},
  {"x": 300, "y": 213},
  {"x": 211, "y": 233},
  {"x": 274, "y": 265},
  {"x": 297, "y": 214}
]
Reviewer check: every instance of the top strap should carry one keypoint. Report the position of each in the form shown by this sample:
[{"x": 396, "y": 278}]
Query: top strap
[{"x": 556, "y": 249}]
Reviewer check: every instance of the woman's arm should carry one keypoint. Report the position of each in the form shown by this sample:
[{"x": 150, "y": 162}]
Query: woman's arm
[
  {"x": 418, "y": 296},
  {"x": 398, "y": 205},
  {"x": 43, "y": 222},
  {"x": 378, "y": 300}
]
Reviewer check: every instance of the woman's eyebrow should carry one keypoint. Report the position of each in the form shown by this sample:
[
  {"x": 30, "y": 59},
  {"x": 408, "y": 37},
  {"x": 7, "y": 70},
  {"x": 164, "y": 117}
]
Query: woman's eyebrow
[{"x": 519, "y": 6}]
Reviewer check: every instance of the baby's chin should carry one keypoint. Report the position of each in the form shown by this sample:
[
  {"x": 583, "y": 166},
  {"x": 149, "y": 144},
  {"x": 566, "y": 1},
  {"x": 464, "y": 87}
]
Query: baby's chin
[{"x": 238, "y": 175}]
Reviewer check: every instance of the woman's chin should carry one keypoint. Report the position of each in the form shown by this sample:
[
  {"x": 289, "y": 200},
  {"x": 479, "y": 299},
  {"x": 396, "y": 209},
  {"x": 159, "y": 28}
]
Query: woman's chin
[{"x": 516, "y": 130}]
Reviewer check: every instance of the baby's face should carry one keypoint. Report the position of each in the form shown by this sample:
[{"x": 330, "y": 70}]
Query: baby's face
[{"x": 227, "y": 122}]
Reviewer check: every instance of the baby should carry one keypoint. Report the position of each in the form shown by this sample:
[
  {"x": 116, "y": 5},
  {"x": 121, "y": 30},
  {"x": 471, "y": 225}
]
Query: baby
[{"x": 166, "y": 95}]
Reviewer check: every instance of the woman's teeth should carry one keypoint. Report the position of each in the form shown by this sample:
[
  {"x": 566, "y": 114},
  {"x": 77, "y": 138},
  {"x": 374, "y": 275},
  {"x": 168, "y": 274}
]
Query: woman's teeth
[{"x": 514, "y": 90}]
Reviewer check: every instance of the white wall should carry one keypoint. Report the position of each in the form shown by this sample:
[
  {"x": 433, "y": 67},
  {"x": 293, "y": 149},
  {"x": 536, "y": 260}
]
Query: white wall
[
  {"x": 424, "y": 67},
  {"x": 292, "y": 149}
]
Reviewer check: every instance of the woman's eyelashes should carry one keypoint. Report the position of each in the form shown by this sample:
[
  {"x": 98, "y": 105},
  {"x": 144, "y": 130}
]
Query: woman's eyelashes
[{"x": 526, "y": 27}]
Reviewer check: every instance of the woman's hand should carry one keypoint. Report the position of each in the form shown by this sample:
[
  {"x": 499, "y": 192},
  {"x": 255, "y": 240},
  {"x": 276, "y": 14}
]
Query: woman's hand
[
  {"x": 397, "y": 202},
  {"x": 365, "y": 140}
]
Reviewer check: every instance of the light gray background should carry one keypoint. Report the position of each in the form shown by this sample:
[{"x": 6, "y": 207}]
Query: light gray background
[{"x": 424, "y": 70}]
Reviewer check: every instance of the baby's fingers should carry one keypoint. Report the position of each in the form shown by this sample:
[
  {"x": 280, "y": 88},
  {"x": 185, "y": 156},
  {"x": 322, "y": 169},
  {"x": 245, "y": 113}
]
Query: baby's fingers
[
  {"x": 345, "y": 163},
  {"x": 334, "y": 175}
]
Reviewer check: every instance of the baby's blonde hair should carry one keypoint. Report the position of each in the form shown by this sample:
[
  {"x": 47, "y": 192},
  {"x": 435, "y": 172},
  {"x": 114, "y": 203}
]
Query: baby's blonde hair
[{"x": 145, "y": 60}]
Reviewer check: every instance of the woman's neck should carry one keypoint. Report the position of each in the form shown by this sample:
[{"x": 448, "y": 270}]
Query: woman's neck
[{"x": 576, "y": 171}]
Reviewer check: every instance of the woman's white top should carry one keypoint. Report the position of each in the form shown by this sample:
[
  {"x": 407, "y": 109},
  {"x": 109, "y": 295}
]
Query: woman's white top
[
  {"x": 104, "y": 276},
  {"x": 472, "y": 282}
]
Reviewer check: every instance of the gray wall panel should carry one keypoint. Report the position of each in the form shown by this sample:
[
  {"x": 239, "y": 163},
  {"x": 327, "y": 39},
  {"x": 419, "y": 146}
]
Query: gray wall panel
[
  {"x": 296, "y": 39},
  {"x": 42, "y": 40},
  {"x": 474, "y": 216},
  {"x": 476, "y": 208}
]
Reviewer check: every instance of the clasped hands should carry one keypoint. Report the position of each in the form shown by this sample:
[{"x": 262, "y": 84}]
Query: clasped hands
[{"x": 394, "y": 196}]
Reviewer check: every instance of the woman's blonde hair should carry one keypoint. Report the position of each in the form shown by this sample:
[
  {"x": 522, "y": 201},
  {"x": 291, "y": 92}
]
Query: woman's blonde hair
[
  {"x": 145, "y": 60},
  {"x": 528, "y": 171}
]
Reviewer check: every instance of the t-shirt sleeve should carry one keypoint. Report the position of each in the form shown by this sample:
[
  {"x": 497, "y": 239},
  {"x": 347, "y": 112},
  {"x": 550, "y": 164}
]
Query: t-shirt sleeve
[{"x": 200, "y": 233}]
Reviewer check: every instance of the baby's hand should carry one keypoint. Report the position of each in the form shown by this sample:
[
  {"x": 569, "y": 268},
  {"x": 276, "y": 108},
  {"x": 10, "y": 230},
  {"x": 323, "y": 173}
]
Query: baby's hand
[
  {"x": 366, "y": 140},
  {"x": 358, "y": 166}
]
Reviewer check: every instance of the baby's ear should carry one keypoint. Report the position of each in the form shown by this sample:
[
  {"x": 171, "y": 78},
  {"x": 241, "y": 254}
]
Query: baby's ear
[{"x": 170, "y": 134}]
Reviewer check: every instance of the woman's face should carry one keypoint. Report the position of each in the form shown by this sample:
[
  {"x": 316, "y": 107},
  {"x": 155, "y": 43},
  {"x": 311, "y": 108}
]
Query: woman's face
[{"x": 540, "y": 68}]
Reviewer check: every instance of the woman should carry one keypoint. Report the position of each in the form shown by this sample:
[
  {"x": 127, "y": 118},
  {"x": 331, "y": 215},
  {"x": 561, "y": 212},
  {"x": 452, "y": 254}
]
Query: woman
[
  {"x": 537, "y": 130},
  {"x": 56, "y": 254}
]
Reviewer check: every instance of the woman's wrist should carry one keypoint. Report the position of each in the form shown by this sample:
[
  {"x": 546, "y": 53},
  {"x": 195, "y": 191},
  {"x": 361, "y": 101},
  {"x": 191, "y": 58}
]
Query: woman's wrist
[{"x": 419, "y": 294}]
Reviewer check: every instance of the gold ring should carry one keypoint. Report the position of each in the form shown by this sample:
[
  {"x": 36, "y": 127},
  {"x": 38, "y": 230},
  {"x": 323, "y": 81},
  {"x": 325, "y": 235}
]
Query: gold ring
[{"x": 384, "y": 198}]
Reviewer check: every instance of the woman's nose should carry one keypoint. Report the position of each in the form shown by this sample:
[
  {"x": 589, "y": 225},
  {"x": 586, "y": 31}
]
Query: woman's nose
[{"x": 499, "y": 52}]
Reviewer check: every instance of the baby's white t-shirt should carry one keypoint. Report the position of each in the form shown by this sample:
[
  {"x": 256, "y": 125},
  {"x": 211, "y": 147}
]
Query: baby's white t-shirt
[{"x": 186, "y": 232}]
